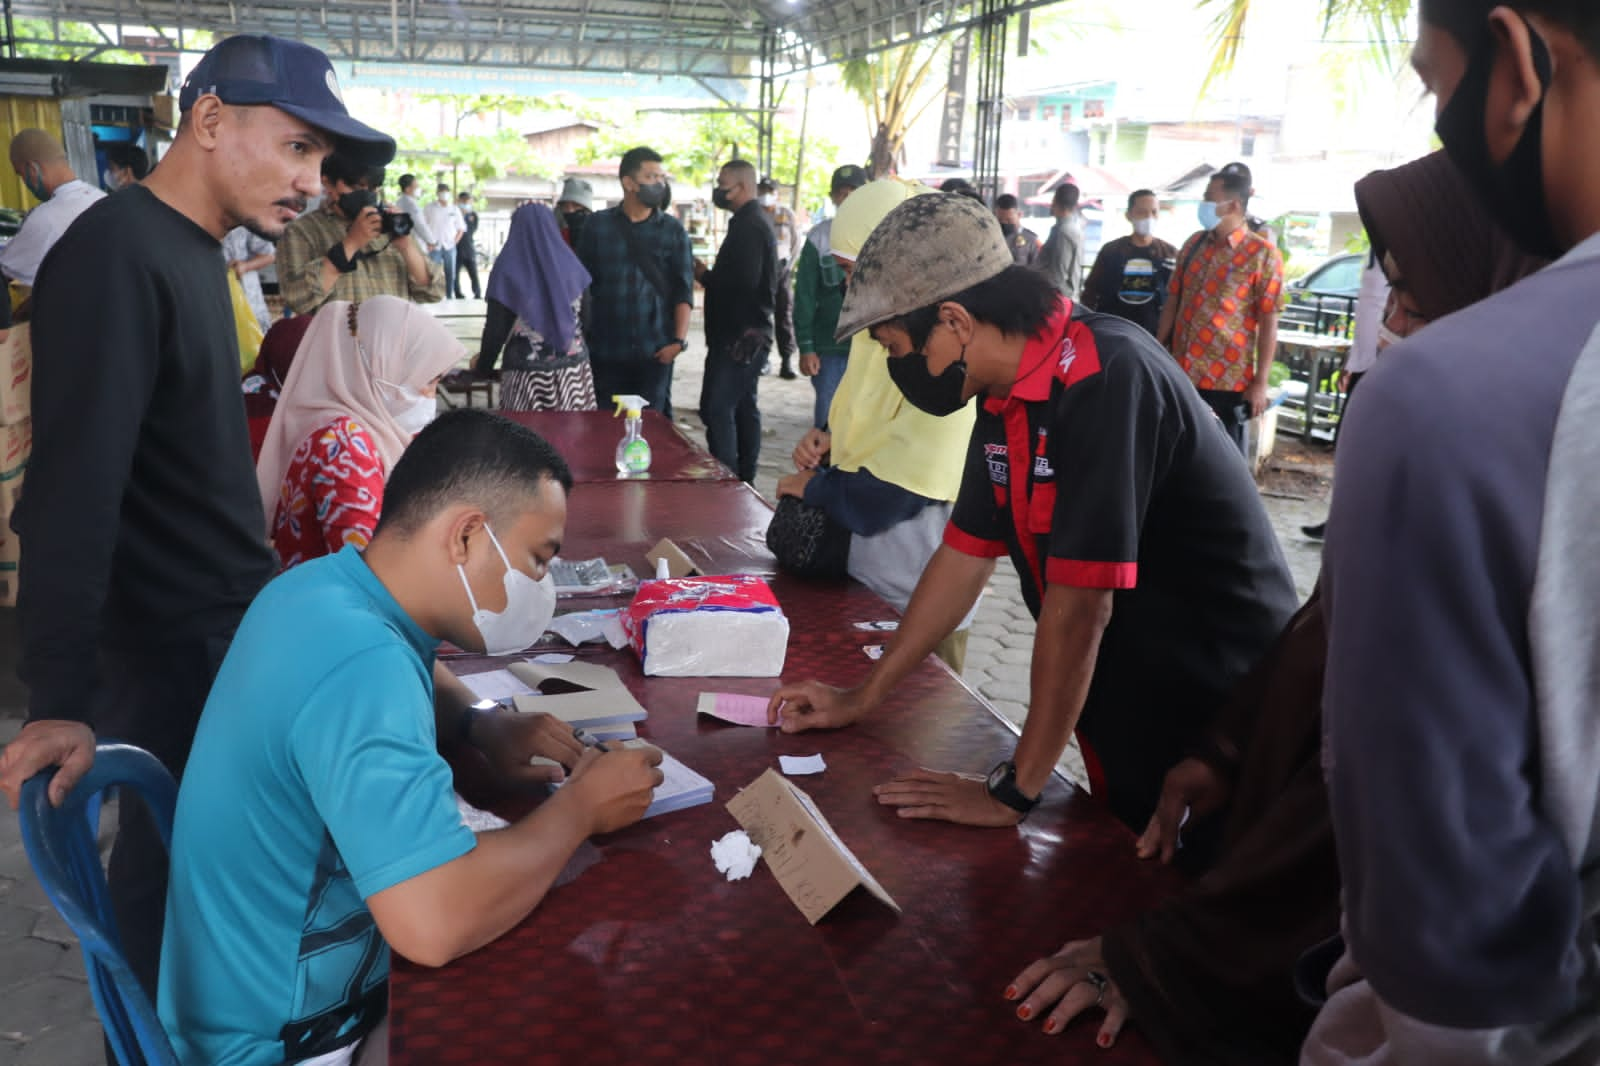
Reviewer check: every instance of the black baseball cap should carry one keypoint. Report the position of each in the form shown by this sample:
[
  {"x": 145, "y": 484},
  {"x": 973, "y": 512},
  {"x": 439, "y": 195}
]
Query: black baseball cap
[
  {"x": 848, "y": 176},
  {"x": 297, "y": 79}
]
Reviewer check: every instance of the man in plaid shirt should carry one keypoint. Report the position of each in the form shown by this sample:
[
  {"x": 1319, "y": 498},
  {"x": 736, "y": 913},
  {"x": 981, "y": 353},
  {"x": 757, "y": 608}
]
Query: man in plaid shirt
[
  {"x": 1221, "y": 318},
  {"x": 340, "y": 252},
  {"x": 639, "y": 299}
]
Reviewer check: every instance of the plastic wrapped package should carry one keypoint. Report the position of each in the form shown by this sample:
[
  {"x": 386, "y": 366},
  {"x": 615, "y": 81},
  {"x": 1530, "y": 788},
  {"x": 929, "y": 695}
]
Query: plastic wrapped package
[{"x": 708, "y": 627}]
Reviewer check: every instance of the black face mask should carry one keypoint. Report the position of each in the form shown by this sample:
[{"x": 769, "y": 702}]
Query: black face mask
[
  {"x": 719, "y": 198},
  {"x": 352, "y": 203},
  {"x": 937, "y": 396},
  {"x": 1008, "y": 228},
  {"x": 575, "y": 221},
  {"x": 655, "y": 196},
  {"x": 1513, "y": 191}
]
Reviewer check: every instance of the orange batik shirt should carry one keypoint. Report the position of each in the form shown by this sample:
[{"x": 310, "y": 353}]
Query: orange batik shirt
[{"x": 1221, "y": 291}]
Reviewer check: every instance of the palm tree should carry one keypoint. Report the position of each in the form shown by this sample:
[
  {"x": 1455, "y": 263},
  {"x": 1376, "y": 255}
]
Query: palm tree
[
  {"x": 1383, "y": 20},
  {"x": 892, "y": 85}
]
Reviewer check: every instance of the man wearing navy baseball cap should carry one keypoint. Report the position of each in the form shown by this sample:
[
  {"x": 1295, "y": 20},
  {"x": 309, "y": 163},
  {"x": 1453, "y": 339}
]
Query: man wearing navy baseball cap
[{"x": 146, "y": 540}]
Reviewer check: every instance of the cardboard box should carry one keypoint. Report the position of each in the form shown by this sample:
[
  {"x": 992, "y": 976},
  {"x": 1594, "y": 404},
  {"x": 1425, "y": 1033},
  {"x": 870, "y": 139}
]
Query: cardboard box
[
  {"x": 10, "y": 494},
  {"x": 10, "y": 565},
  {"x": 16, "y": 375},
  {"x": 16, "y": 445}
]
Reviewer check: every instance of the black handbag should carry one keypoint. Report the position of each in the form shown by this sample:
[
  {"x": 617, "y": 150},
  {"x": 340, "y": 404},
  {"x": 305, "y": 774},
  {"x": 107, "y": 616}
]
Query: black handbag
[{"x": 806, "y": 542}]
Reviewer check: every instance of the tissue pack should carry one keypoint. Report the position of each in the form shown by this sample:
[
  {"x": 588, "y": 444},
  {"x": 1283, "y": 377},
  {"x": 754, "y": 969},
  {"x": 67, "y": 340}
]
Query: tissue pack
[{"x": 708, "y": 627}]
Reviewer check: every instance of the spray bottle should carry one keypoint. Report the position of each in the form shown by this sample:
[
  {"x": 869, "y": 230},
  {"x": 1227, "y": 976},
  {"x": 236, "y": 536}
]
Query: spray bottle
[{"x": 633, "y": 451}]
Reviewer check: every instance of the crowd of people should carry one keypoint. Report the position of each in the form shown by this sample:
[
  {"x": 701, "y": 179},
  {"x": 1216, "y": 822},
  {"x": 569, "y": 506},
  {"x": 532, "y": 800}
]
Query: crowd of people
[{"x": 1386, "y": 796}]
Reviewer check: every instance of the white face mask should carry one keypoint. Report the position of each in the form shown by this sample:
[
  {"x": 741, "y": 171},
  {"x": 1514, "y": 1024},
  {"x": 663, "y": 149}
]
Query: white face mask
[
  {"x": 1387, "y": 338},
  {"x": 530, "y": 605},
  {"x": 412, "y": 411},
  {"x": 1143, "y": 227},
  {"x": 768, "y": 199}
]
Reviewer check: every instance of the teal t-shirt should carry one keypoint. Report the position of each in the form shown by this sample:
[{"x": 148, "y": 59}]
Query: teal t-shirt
[{"x": 314, "y": 782}]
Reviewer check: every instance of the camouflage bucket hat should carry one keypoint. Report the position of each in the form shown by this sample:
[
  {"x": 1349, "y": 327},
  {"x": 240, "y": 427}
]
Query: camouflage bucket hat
[{"x": 926, "y": 250}]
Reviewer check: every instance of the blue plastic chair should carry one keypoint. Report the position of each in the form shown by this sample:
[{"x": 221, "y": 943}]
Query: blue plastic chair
[{"x": 60, "y": 842}]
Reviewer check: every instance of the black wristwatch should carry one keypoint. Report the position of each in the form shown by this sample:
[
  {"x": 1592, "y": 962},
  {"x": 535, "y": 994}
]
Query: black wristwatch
[
  {"x": 682, "y": 343},
  {"x": 469, "y": 715},
  {"x": 1002, "y": 785}
]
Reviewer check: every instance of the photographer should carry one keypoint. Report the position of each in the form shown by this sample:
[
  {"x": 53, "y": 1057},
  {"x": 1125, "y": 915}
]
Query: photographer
[{"x": 351, "y": 249}]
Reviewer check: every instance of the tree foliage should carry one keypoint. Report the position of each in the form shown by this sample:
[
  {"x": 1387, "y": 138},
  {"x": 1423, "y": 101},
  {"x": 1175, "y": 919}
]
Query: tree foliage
[
  {"x": 479, "y": 156},
  {"x": 73, "y": 32},
  {"x": 695, "y": 145},
  {"x": 1384, "y": 21}
]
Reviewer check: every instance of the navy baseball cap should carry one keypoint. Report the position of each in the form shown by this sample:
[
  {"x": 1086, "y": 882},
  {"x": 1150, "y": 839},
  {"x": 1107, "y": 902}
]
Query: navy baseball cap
[{"x": 251, "y": 70}]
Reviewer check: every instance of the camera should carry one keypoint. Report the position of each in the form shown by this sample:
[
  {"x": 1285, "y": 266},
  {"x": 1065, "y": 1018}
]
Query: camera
[{"x": 394, "y": 223}]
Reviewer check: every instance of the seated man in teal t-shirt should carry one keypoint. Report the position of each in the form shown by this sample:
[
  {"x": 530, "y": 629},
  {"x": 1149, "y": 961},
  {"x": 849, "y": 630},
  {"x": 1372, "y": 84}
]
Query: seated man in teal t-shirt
[{"x": 317, "y": 825}]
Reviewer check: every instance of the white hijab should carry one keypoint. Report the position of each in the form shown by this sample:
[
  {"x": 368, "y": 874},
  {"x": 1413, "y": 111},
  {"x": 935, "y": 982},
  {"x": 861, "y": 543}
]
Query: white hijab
[{"x": 353, "y": 363}]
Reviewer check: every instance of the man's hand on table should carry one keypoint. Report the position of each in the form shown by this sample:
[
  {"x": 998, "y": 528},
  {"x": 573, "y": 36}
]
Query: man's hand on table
[
  {"x": 1193, "y": 785},
  {"x": 508, "y": 739},
  {"x": 1064, "y": 985},
  {"x": 812, "y": 449},
  {"x": 69, "y": 745},
  {"x": 795, "y": 484},
  {"x": 946, "y": 797},
  {"x": 615, "y": 786},
  {"x": 813, "y": 705}
]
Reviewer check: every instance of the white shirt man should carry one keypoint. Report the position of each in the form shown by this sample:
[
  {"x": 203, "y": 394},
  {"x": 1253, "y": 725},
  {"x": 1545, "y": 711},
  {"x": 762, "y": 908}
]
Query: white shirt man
[
  {"x": 445, "y": 222},
  {"x": 44, "y": 225},
  {"x": 406, "y": 203}
]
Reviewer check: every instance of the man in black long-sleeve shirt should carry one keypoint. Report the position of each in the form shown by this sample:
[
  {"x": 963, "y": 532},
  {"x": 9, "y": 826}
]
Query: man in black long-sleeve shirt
[
  {"x": 740, "y": 292},
  {"x": 142, "y": 522}
]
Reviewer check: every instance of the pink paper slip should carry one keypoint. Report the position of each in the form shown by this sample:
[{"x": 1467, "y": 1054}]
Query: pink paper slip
[{"x": 732, "y": 707}]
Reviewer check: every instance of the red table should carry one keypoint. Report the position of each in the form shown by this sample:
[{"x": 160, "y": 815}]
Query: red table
[
  {"x": 651, "y": 957},
  {"x": 587, "y": 440}
]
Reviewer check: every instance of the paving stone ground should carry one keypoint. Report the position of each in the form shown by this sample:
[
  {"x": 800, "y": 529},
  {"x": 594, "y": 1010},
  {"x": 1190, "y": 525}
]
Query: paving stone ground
[{"x": 46, "y": 1018}]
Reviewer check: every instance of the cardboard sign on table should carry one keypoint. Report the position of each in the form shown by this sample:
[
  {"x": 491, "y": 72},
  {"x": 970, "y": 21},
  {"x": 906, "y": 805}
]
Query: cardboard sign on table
[
  {"x": 678, "y": 563},
  {"x": 807, "y": 857}
]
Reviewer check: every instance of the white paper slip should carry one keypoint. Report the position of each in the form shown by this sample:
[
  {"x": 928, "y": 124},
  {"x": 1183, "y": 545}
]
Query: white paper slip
[
  {"x": 496, "y": 685},
  {"x": 552, "y": 659},
  {"x": 797, "y": 765}
]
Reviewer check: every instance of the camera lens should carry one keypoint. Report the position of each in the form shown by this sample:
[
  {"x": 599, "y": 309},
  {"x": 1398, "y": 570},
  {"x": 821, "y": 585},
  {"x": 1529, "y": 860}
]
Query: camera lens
[{"x": 397, "y": 223}]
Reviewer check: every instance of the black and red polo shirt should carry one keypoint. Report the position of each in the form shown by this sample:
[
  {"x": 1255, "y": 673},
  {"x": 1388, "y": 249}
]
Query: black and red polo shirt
[{"x": 1104, "y": 469}]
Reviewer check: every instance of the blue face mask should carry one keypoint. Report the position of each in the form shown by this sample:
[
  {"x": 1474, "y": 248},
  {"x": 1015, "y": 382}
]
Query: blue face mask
[{"x": 1208, "y": 215}]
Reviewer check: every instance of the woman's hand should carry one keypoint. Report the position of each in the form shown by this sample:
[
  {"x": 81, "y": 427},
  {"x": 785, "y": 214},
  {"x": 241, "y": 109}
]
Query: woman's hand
[
  {"x": 795, "y": 484},
  {"x": 1062, "y": 986},
  {"x": 812, "y": 449},
  {"x": 1193, "y": 787}
]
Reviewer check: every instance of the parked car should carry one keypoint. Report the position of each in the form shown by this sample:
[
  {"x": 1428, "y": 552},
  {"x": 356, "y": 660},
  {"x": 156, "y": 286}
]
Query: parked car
[{"x": 1324, "y": 301}]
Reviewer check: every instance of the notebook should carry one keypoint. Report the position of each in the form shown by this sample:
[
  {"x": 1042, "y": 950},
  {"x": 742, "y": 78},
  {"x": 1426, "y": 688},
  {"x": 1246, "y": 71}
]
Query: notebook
[
  {"x": 680, "y": 787},
  {"x": 584, "y": 695}
]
